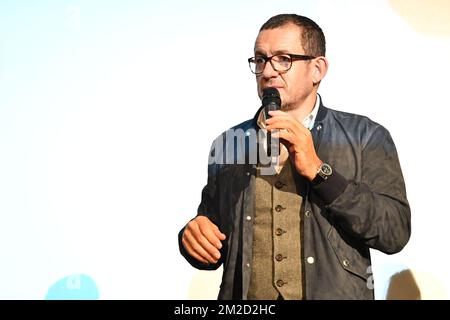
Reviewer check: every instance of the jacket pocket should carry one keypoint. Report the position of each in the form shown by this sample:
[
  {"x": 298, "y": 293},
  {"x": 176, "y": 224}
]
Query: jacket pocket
[{"x": 349, "y": 257}]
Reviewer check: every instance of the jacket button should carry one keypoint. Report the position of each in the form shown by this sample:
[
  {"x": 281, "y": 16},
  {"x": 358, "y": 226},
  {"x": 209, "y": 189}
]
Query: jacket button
[
  {"x": 319, "y": 127},
  {"x": 280, "y": 283},
  {"x": 307, "y": 213},
  {"x": 279, "y": 257},
  {"x": 278, "y": 208},
  {"x": 310, "y": 260},
  {"x": 279, "y": 231},
  {"x": 247, "y": 173},
  {"x": 247, "y": 265},
  {"x": 345, "y": 262},
  {"x": 279, "y": 184},
  {"x": 249, "y": 218}
]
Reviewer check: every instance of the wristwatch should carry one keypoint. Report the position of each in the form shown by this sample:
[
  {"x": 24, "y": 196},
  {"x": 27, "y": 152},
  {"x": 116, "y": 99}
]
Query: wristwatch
[{"x": 323, "y": 173}]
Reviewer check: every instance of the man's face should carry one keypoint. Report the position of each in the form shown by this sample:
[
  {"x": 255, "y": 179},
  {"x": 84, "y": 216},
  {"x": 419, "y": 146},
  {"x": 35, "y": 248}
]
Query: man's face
[{"x": 294, "y": 85}]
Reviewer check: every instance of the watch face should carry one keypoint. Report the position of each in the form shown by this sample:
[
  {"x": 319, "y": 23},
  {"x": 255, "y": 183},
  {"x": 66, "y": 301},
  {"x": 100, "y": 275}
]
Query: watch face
[{"x": 326, "y": 169}]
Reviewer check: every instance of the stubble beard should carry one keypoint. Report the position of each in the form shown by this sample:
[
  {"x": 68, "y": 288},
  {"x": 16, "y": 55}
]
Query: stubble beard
[{"x": 287, "y": 107}]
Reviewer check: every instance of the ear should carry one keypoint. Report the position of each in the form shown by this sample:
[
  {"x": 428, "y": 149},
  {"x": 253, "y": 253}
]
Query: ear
[{"x": 320, "y": 68}]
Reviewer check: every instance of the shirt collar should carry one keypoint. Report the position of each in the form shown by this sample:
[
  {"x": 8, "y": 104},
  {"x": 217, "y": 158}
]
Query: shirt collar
[{"x": 308, "y": 122}]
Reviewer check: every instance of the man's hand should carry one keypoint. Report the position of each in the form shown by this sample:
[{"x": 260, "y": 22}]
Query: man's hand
[
  {"x": 201, "y": 238},
  {"x": 298, "y": 140}
]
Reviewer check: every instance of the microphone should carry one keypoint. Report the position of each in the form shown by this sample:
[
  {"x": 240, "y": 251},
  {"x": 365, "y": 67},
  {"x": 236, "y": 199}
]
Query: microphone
[{"x": 271, "y": 101}]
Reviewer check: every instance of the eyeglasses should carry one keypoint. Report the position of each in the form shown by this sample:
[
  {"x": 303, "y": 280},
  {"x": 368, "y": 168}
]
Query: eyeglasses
[{"x": 279, "y": 62}]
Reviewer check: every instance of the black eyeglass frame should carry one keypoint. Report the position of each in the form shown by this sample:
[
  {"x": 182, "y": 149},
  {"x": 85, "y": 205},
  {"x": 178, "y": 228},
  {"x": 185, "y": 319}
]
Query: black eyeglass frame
[{"x": 294, "y": 57}]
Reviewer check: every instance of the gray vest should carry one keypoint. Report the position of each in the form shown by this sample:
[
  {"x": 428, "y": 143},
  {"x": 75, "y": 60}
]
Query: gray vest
[{"x": 277, "y": 259}]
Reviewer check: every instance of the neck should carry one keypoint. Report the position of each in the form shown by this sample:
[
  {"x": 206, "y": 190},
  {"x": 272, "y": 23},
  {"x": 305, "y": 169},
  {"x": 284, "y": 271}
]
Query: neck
[{"x": 303, "y": 109}]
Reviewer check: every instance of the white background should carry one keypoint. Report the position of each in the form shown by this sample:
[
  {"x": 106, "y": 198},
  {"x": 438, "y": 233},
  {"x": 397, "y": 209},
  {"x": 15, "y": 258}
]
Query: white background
[{"x": 108, "y": 110}]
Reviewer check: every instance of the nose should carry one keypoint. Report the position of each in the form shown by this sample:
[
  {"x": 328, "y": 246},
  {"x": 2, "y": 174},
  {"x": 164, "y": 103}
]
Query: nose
[{"x": 269, "y": 71}]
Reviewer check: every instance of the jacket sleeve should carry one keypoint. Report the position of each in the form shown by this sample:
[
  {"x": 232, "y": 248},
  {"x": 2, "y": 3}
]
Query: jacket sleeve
[
  {"x": 208, "y": 207},
  {"x": 375, "y": 209}
]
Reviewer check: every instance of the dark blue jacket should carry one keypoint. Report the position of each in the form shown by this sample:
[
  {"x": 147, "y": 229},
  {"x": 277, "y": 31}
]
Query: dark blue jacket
[{"x": 363, "y": 205}]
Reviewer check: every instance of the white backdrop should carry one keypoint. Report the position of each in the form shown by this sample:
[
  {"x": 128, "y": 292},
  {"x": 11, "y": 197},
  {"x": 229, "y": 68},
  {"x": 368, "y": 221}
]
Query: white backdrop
[{"x": 108, "y": 109}]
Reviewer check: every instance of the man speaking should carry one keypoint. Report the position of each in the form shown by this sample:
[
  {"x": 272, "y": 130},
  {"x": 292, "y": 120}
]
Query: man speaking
[{"x": 304, "y": 229}]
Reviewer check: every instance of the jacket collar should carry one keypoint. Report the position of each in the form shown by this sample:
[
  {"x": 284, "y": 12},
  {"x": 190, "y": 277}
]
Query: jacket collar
[{"x": 322, "y": 111}]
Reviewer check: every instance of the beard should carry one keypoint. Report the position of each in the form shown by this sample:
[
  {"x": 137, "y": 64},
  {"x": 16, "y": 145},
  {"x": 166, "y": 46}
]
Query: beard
[{"x": 287, "y": 107}]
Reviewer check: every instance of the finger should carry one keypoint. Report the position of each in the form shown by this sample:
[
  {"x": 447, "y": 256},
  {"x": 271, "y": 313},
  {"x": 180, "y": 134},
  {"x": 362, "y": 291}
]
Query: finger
[
  {"x": 289, "y": 122},
  {"x": 202, "y": 231},
  {"x": 199, "y": 248},
  {"x": 292, "y": 149},
  {"x": 211, "y": 237},
  {"x": 280, "y": 117},
  {"x": 286, "y": 135},
  {"x": 284, "y": 123},
  {"x": 288, "y": 139},
  {"x": 277, "y": 113},
  {"x": 191, "y": 251},
  {"x": 219, "y": 234},
  {"x": 209, "y": 241},
  {"x": 211, "y": 232}
]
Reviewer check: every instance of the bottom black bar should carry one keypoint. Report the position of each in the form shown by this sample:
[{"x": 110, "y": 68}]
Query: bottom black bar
[{"x": 211, "y": 309}]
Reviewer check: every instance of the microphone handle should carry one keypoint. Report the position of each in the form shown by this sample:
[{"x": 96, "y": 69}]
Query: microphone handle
[
  {"x": 269, "y": 144},
  {"x": 271, "y": 107}
]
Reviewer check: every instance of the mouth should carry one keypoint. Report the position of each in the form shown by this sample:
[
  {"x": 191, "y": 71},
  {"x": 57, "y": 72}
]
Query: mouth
[
  {"x": 276, "y": 87},
  {"x": 280, "y": 88}
]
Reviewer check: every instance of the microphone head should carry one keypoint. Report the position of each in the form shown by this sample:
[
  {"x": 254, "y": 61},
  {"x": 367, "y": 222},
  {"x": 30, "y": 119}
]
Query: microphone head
[{"x": 271, "y": 97}]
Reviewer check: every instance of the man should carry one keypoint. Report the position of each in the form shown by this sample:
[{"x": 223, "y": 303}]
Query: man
[{"x": 305, "y": 231}]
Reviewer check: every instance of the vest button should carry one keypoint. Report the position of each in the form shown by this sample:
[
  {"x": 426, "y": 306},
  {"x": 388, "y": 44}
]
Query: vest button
[
  {"x": 278, "y": 208},
  {"x": 279, "y": 257},
  {"x": 279, "y": 231},
  {"x": 280, "y": 283},
  {"x": 346, "y": 263},
  {"x": 307, "y": 213},
  {"x": 310, "y": 260},
  {"x": 279, "y": 184}
]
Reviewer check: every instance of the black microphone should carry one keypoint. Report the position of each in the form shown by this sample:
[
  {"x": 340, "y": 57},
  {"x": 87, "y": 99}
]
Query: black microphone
[{"x": 271, "y": 101}]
